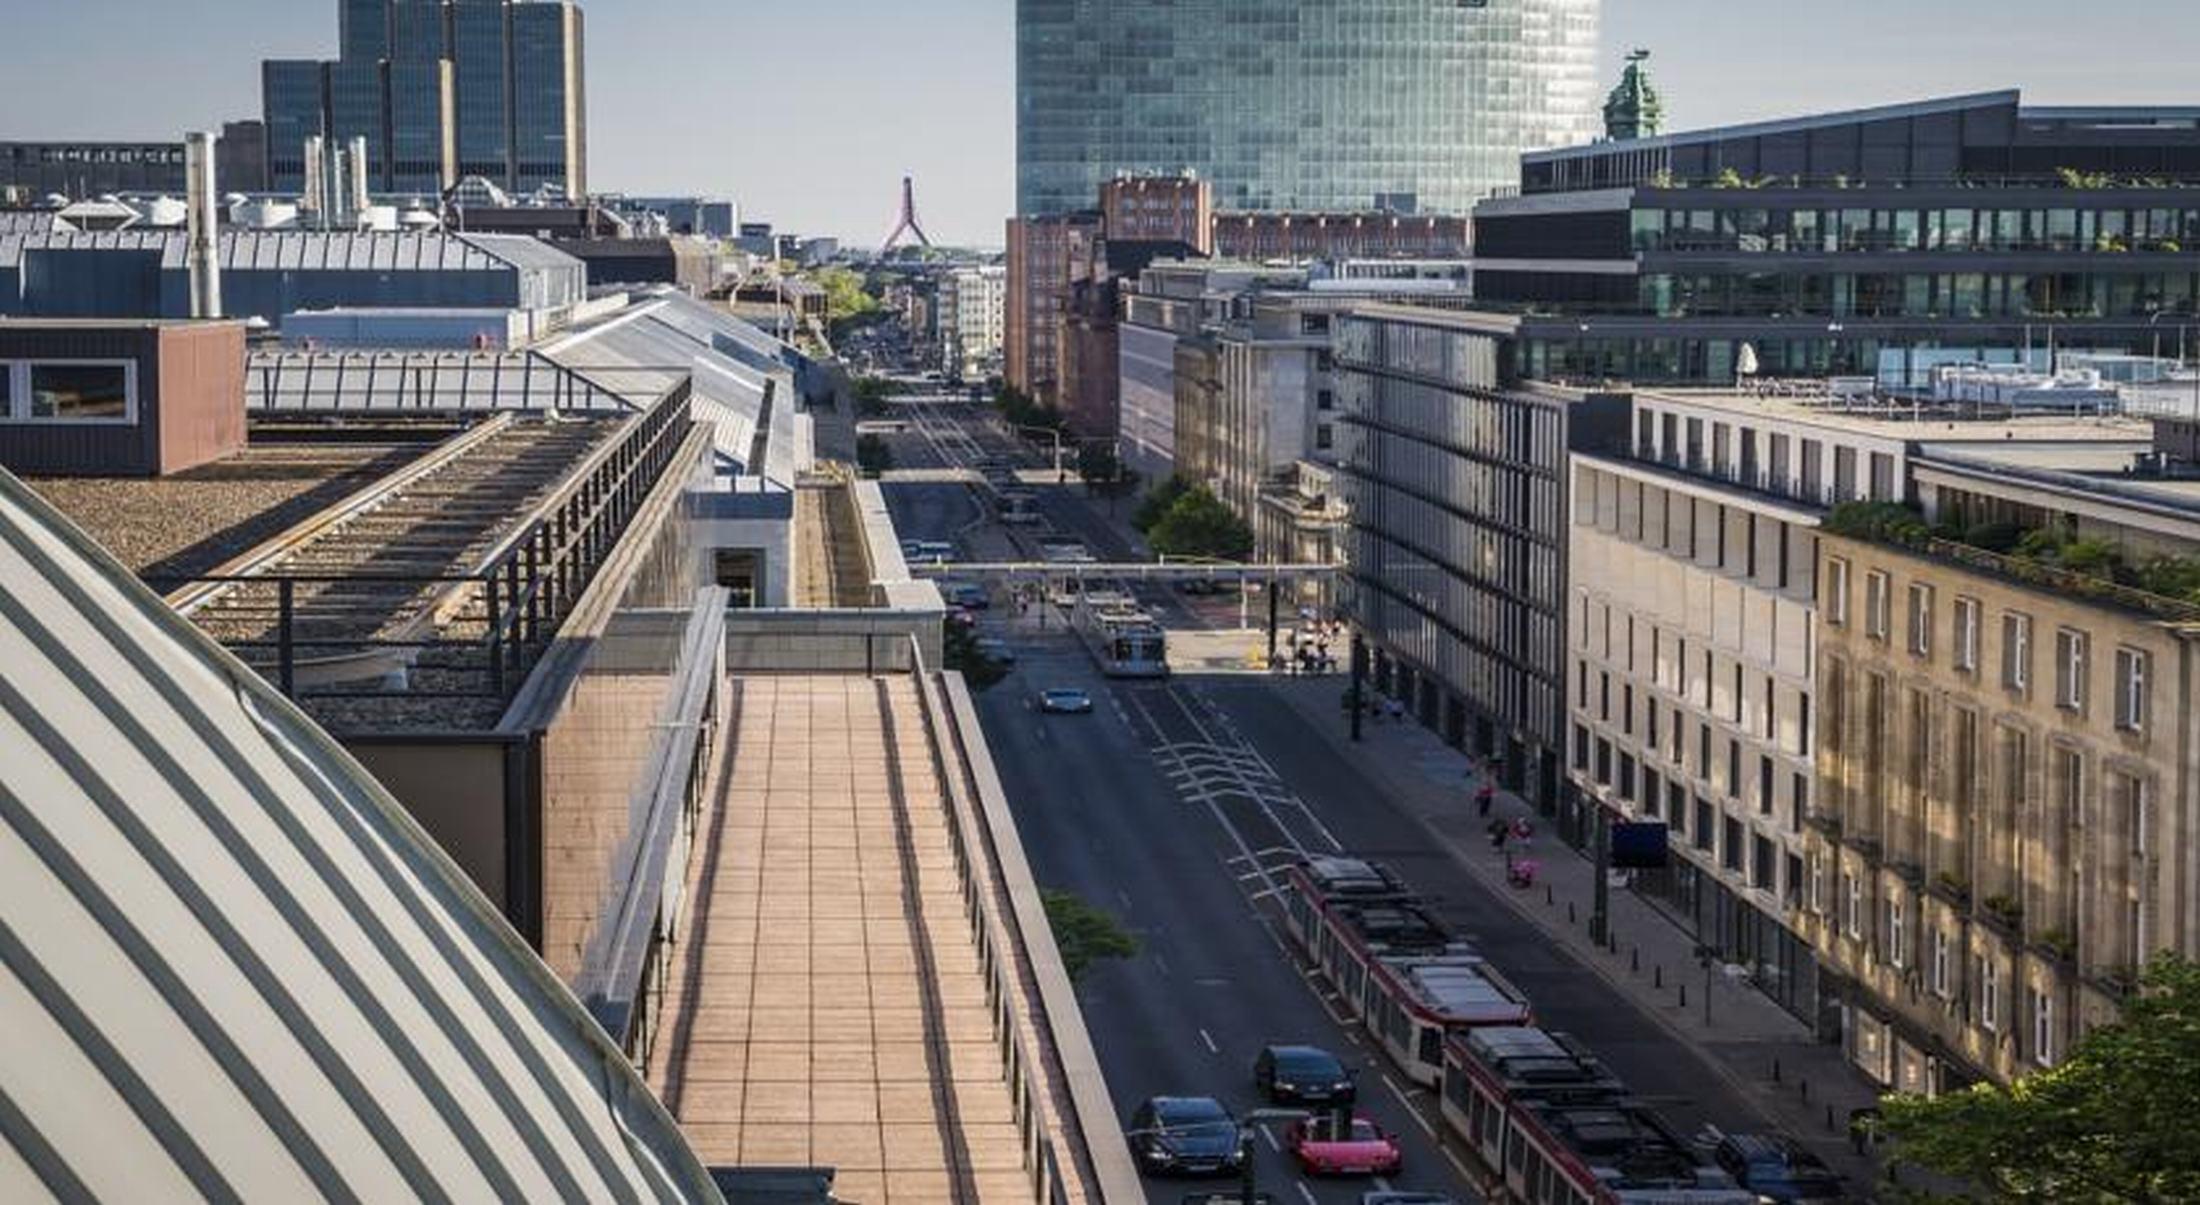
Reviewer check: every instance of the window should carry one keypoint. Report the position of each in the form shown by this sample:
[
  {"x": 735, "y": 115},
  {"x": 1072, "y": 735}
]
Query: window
[
  {"x": 1852, "y": 905},
  {"x": 2070, "y": 669},
  {"x": 1939, "y": 977},
  {"x": 2016, "y": 651},
  {"x": 1921, "y": 620},
  {"x": 68, "y": 392},
  {"x": 1896, "y": 948},
  {"x": 2043, "y": 1029},
  {"x": 1837, "y": 591},
  {"x": 1876, "y": 605},
  {"x": 1967, "y": 634},
  {"x": 1650, "y": 739},
  {"x": 1763, "y": 860},
  {"x": 2131, "y": 690},
  {"x": 1325, "y": 399},
  {"x": 1731, "y": 854},
  {"x": 1989, "y": 995},
  {"x": 1816, "y": 874},
  {"x": 1325, "y": 437}
]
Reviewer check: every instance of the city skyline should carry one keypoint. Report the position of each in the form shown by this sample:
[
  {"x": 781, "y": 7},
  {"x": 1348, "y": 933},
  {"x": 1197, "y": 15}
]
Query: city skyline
[{"x": 890, "y": 90}]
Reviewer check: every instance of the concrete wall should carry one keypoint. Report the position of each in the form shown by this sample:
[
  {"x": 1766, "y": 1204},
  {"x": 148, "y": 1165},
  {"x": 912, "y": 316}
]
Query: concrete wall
[{"x": 811, "y": 642}]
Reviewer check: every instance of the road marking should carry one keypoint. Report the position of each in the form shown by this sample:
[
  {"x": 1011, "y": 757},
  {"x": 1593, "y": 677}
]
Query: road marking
[
  {"x": 1382, "y": 1184},
  {"x": 1465, "y": 1172},
  {"x": 1209, "y": 1038},
  {"x": 1160, "y": 963},
  {"x": 1272, "y": 1143},
  {"x": 1407, "y": 1101},
  {"x": 1308, "y": 1193},
  {"x": 1124, "y": 896}
]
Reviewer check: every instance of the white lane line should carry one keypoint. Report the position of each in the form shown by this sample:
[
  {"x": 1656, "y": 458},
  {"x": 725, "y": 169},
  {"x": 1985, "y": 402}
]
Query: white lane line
[
  {"x": 1382, "y": 1184},
  {"x": 1407, "y": 1101},
  {"x": 1124, "y": 896},
  {"x": 1268, "y": 1134},
  {"x": 1307, "y": 1193},
  {"x": 1160, "y": 963},
  {"x": 1464, "y": 1172},
  {"x": 1209, "y": 1038}
]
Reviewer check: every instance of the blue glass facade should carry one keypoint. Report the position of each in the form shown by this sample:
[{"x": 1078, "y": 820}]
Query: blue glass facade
[
  {"x": 547, "y": 138},
  {"x": 1299, "y": 104},
  {"x": 295, "y": 107},
  {"x": 480, "y": 54},
  {"x": 440, "y": 89}
]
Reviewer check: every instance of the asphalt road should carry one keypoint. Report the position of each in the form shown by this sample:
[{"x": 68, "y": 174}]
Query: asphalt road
[{"x": 1212, "y": 982}]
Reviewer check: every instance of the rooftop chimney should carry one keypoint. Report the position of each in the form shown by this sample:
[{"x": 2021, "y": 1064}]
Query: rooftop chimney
[{"x": 202, "y": 225}]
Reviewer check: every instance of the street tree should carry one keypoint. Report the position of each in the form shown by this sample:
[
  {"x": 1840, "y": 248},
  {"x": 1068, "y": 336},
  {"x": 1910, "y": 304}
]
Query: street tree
[
  {"x": 1199, "y": 525},
  {"x": 1151, "y": 508},
  {"x": 2111, "y": 1123},
  {"x": 1085, "y": 934}
]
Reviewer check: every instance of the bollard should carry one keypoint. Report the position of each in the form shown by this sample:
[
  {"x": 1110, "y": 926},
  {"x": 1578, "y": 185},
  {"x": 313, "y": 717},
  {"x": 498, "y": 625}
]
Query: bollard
[
  {"x": 1569, "y": 912},
  {"x": 1775, "y": 1071},
  {"x": 1634, "y": 961},
  {"x": 1806, "y": 1091},
  {"x": 1829, "y": 1119},
  {"x": 1657, "y": 976},
  {"x": 1684, "y": 996},
  {"x": 1548, "y": 898}
]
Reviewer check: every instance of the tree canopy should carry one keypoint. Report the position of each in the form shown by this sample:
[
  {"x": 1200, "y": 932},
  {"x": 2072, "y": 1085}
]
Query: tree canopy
[
  {"x": 1155, "y": 504},
  {"x": 2112, "y": 1123},
  {"x": 1084, "y": 933},
  {"x": 1199, "y": 525}
]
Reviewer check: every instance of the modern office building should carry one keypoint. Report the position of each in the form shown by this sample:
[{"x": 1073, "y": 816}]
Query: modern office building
[
  {"x": 1454, "y": 475},
  {"x": 2008, "y": 800},
  {"x": 1327, "y": 236},
  {"x": 1880, "y": 242},
  {"x": 1396, "y": 105},
  {"x": 441, "y": 90}
]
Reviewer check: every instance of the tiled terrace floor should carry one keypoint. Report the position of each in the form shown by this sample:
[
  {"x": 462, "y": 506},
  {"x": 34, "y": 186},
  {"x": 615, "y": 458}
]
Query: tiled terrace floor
[{"x": 802, "y": 1027}]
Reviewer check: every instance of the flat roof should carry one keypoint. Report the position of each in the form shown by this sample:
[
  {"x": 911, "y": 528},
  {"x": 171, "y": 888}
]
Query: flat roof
[
  {"x": 192, "y": 521},
  {"x": 1924, "y": 422},
  {"x": 1785, "y": 125}
]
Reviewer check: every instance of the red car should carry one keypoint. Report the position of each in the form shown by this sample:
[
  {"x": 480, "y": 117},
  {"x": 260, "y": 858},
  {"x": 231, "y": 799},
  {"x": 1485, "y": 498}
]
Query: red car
[{"x": 1358, "y": 1148}]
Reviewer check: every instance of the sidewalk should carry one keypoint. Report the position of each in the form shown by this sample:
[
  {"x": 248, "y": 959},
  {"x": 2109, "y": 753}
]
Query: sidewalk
[{"x": 1746, "y": 1036}]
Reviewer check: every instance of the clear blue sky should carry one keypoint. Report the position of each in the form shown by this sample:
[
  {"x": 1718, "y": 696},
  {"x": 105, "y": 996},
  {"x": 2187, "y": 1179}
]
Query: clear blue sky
[{"x": 810, "y": 111}]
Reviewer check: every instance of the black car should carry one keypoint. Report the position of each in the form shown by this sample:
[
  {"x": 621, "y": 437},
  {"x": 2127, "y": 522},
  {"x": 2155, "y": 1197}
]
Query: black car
[
  {"x": 1302, "y": 1074},
  {"x": 1777, "y": 1169},
  {"x": 1186, "y": 1136}
]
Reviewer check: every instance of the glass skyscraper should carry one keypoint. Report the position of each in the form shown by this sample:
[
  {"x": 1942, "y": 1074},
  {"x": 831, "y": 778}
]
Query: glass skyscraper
[
  {"x": 440, "y": 89},
  {"x": 1408, "y": 105}
]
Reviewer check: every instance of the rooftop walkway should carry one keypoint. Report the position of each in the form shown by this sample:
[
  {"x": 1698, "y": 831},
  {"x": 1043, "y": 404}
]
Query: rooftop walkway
[{"x": 839, "y": 997}]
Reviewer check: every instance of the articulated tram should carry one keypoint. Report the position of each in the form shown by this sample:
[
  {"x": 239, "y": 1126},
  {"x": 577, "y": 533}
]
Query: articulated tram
[
  {"x": 1542, "y": 1116},
  {"x": 1124, "y": 640},
  {"x": 1400, "y": 973}
]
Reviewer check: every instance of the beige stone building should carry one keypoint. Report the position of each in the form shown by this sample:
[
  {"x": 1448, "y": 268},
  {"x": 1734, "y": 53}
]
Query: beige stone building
[{"x": 2003, "y": 829}]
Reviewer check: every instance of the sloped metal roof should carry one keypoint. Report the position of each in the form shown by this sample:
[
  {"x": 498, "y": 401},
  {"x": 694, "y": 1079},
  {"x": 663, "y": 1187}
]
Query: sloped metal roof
[
  {"x": 232, "y": 967},
  {"x": 312, "y": 250}
]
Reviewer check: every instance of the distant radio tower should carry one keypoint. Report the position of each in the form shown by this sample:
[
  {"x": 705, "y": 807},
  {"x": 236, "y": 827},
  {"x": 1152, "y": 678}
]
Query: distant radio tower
[{"x": 906, "y": 225}]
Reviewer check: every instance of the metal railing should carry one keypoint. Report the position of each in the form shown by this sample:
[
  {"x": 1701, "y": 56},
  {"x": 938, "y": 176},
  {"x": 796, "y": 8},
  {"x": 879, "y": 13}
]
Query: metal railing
[
  {"x": 1044, "y": 1094},
  {"x": 525, "y": 586},
  {"x": 622, "y": 976}
]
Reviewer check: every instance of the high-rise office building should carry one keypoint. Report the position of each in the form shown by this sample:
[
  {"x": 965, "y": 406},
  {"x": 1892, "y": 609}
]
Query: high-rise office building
[
  {"x": 1400, "y": 105},
  {"x": 440, "y": 89}
]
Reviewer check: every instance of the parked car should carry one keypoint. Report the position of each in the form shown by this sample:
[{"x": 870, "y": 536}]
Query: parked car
[
  {"x": 1777, "y": 1169},
  {"x": 1065, "y": 700},
  {"x": 1186, "y": 1136},
  {"x": 1302, "y": 1074},
  {"x": 996, "y": 650},
  {"x": 1356, "y": 1147}
]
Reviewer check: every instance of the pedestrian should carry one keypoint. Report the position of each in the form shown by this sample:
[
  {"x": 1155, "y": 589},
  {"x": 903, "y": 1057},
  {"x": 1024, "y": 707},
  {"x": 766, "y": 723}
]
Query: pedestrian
[
  {"x": 1498, "y": 831},
  {"x": 1485, "y": 798},
  {"x": 1398, "y": 711}
]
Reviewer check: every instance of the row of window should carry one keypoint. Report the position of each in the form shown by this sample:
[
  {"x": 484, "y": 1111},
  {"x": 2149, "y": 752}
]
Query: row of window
[
  {"x": 2133, "y": 670},
  {"x": 1739, "y": 849},
  {"x": 2099, "y": 294},
  {"x": 1773, "y": 461},
  {"x": 1865, "y": 230},
  {"x": 68, "y": 391}
]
